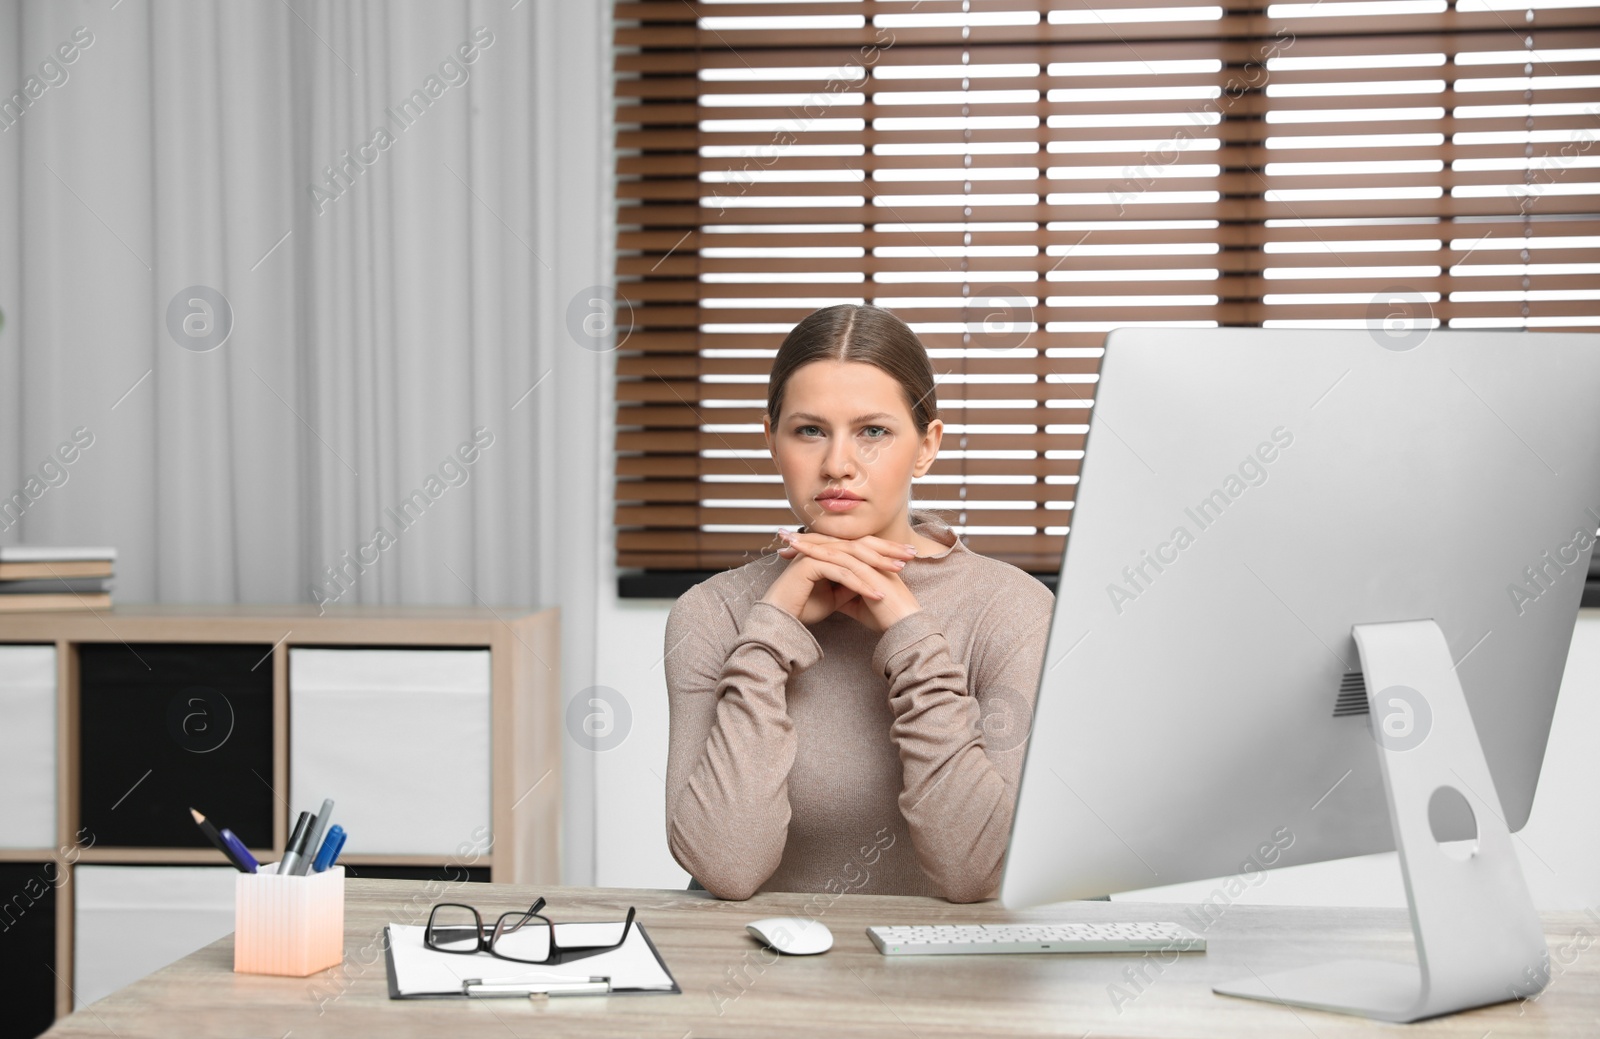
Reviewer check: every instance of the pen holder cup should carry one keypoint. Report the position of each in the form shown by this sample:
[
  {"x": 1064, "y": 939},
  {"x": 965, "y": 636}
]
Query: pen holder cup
[{"x": 288, "y": 925}]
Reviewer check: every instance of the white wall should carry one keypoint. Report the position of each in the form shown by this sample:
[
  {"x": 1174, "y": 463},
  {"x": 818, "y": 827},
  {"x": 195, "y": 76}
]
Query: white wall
[
  {"x": 1560, "y": 846},
  {"x": 630, "y": 779}
]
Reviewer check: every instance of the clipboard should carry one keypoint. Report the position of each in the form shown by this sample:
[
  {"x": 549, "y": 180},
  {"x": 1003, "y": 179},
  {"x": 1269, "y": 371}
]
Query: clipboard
[{"x": 417, "y": 972}]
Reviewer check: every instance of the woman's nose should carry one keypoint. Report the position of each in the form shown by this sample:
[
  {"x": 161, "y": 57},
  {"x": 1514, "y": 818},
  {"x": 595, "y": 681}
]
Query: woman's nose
[{"x": 841, "y": 460}]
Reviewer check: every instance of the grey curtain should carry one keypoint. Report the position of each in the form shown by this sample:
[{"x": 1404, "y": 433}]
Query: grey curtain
[{"x": 386, "y": 209}]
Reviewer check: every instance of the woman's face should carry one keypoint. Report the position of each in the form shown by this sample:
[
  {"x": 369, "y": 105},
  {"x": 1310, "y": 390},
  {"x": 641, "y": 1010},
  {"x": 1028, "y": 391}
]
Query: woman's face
[{"x": 845, "y": 428}]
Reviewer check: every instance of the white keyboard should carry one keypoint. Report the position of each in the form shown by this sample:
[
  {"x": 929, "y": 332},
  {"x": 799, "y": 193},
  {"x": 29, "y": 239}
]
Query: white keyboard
[{"x": 948, "y": 939}]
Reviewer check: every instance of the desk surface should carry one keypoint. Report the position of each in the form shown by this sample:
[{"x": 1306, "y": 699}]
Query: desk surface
[{"x": 733, "y": 988}]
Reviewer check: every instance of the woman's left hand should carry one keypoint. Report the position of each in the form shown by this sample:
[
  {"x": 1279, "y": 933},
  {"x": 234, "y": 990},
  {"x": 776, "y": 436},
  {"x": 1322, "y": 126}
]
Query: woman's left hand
[{"x": 876, "y": 614}]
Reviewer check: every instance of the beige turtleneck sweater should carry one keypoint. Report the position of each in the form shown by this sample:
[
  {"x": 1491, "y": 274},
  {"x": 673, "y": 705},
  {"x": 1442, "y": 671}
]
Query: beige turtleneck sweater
[{"x": 828, "y": 758}]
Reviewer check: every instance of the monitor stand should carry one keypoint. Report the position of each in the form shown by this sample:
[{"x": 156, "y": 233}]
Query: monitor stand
[{"x": 1478, "y": 936}]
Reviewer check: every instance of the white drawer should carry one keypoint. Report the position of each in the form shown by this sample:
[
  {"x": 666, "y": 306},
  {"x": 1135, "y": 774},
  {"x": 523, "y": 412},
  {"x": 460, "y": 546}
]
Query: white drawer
[
  {"x": 131, "y": 920},
  {"x": 399, "y": 738},
  {"x": 27, "y": 746}
]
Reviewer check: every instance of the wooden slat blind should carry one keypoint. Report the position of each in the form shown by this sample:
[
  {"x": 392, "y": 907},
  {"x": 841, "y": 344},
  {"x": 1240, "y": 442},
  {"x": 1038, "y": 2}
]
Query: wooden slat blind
[{"x": 1014, "y": 179}]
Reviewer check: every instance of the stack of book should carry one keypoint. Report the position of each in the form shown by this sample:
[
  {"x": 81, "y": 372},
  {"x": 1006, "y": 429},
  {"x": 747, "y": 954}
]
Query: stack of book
[{"x": 48, "y": 578}]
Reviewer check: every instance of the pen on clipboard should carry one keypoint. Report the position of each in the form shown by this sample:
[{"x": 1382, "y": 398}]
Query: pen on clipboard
[{"x": 594, "y": 985}]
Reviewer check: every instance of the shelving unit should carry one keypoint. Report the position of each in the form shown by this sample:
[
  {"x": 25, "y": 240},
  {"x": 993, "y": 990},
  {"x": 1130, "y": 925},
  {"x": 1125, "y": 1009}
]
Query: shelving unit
[{"x": 524, "y": 728}]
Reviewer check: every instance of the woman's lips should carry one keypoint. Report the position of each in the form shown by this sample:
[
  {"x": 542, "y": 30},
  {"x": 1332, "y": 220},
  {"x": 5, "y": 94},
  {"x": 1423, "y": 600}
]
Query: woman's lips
[{"x": 840, "y": 504}]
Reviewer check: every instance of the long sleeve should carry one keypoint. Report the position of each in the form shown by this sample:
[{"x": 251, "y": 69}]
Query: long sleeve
[
  {"x": 960, "y": 749},
  {"x": 731, "y": 740}
]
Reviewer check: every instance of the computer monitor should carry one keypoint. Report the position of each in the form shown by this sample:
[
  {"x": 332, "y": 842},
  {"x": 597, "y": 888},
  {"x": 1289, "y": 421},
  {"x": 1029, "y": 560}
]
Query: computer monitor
[{"x": 1250, "y": 502}]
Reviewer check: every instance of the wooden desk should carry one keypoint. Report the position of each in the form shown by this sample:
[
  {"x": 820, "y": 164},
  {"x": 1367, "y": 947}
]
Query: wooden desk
[{"x": 732, "y": 988}]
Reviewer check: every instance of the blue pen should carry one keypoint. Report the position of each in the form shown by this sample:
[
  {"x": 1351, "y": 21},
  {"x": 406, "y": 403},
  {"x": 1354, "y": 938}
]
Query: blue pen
[
  {"x": 240, "y": 852},
  {"x": 331, "y": 846}
]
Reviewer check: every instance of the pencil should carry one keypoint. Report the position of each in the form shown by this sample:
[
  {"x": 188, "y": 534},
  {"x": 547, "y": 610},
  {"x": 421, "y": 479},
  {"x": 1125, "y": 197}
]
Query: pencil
[{"x": 216, "y": 838}]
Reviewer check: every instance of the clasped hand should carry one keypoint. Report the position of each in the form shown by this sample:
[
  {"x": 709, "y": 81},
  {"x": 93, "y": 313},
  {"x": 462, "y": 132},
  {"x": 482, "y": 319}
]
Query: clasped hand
[{"x": 858, "y": 577}]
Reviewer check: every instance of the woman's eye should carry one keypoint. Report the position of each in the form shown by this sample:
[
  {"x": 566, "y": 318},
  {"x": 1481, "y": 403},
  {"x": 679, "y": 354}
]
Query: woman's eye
[{"x": 806, "y": 431}]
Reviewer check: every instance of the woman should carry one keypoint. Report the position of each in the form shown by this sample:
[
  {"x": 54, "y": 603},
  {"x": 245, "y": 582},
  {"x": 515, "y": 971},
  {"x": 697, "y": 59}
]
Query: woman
[{"x": 849, "y": 713}]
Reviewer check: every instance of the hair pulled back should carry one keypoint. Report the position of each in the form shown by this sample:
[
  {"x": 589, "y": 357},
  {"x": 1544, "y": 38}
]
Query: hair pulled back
[{"x": 864, "y": 334}]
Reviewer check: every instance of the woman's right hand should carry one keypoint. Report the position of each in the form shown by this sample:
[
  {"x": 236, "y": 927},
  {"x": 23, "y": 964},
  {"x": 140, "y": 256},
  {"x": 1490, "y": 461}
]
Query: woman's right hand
[{"x": 812, "y": 590}]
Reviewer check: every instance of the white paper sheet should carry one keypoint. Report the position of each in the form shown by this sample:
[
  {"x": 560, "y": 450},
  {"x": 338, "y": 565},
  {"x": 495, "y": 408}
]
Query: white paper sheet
[{"x": 422, "y": 971}]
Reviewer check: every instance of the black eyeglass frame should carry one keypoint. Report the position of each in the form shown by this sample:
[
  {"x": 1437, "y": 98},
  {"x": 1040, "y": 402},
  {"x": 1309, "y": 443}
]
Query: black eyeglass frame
[{"x": 556, "y": 955}]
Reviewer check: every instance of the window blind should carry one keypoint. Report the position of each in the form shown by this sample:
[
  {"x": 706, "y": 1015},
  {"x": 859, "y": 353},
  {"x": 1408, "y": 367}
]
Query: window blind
[{"x": 1014, "y": 179}]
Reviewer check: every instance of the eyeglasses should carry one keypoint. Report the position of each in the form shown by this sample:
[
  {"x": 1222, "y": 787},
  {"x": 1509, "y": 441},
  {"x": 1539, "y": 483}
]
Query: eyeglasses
[{"x": 524, "y": 937}]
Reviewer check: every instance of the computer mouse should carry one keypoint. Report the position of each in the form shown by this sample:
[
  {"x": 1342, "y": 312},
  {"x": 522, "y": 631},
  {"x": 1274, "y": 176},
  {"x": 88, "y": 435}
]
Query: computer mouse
[{"x": 794, "y": 935}]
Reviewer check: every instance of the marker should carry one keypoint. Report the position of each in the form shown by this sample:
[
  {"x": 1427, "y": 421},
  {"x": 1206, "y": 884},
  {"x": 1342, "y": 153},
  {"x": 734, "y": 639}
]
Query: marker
[
  {"x": 314, "y": 839},
  {"x": 240, "y": 852},
  {"x": 244, "y": 865},
  {"x": 330, "y": 848},
  {"x": 296, "y": 848}
]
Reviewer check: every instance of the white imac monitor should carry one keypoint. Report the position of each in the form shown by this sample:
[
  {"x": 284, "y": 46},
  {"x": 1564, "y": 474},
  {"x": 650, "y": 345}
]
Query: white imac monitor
[{"x": 1320, "y": 586}]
